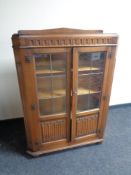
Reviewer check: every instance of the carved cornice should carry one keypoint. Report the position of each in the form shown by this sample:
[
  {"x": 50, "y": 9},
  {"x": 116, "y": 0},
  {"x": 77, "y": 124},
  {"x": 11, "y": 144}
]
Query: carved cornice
[
  {"x": 66, "y": 42},
  {"x": 62, "y": 38}
]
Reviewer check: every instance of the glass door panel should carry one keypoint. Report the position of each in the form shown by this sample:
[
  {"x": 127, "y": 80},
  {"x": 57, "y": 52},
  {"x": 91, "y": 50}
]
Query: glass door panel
[
  {"x": 44, "y": 87},
  {"x": 90, "y": 79},
  {"x": 51, "y": 86},
  {"x": 52, "y": 106},
  {"x": 51, "y": 82},
  {"x": 87, "y": 102},
  {"x": 42, "y": 64},
  {"x": 59, "y": 63},
  {"x": 54, "y": 63},
  {"x": 91, "y": 62}
]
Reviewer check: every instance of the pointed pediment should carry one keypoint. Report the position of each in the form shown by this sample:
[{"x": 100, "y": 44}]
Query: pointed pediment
[{"x": 58, "y": 31}]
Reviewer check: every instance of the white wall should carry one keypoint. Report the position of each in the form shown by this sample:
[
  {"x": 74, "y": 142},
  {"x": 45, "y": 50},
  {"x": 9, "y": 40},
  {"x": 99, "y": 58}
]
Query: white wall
[{"x": 111, "y": 16}]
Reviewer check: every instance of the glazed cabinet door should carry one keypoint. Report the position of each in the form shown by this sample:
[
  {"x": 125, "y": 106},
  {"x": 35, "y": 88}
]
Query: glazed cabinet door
[
  {"x": 90, "y": 67},
  {"x": 52, "y": 83}
]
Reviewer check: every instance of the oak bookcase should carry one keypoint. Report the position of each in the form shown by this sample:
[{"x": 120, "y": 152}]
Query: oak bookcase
[{"x": 65, "y": 78}]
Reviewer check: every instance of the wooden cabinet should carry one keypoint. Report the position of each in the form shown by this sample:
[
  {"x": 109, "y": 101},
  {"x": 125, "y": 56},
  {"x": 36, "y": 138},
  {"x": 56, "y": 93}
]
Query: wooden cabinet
[{"x": 65, "y": 78}]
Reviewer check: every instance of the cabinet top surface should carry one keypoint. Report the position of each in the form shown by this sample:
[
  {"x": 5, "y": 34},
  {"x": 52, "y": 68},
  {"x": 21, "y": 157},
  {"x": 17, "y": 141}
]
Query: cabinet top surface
[
  {"x": 62, "y": 37},
  {"x": 64, "y": 31}
]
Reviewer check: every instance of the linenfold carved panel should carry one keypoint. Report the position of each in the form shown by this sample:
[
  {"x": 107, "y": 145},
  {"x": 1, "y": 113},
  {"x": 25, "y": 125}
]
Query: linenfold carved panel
[
  {"x": 53, "y": 130},
  {"x": 64, "y": 42},
  {"x": 86, "y": 125}
]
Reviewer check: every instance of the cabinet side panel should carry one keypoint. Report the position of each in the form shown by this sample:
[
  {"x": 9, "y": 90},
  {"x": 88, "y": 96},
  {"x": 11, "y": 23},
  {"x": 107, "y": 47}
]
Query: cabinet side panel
[
  {"x": 22, "y": 89},
  {"x": 107, "y": 90}
]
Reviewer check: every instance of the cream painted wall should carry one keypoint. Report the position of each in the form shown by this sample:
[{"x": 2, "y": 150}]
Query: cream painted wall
[{"x": 111, "y": 16}]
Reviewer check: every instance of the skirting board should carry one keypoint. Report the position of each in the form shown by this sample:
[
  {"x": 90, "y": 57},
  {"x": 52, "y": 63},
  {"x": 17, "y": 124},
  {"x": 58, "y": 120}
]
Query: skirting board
[{"x": 120, "y": 105}]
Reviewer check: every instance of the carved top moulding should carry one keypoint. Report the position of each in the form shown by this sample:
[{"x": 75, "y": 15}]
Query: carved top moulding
[{"x": 62, "y": 37}]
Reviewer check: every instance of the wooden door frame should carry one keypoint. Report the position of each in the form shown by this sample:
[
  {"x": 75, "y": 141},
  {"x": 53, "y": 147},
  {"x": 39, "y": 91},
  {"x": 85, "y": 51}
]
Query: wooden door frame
[
  {"x": 68, "y": 85},
  {"x": 75, "y": 82}
]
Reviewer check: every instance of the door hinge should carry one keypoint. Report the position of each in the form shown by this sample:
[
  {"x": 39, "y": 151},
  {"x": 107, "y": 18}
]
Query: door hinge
[
  {"x": 109, "y": 54},
  {"x": 28, "y": 59},
  {"x": 33, "y": 106}
]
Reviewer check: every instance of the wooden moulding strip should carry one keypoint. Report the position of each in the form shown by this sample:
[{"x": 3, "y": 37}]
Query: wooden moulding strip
[{"x": 38, "y": 153}]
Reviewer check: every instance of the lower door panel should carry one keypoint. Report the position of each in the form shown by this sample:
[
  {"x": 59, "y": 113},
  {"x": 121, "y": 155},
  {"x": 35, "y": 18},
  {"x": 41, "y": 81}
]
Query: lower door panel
[
  {"x": 86, "y": 125},
  {"x": 53, "y": 130}
]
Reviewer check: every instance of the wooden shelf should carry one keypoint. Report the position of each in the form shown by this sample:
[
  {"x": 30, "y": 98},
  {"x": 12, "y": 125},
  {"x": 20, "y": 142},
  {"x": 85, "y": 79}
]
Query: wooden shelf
[
  {"x": 83, "y": 91},
  {"x": 88, "y": 69},
  {"x": 62, "y": 92},
  {"x": 81, "y": 69},
  {"x": 48, "y": 71},
  {"x": 54, "y": 94},
  {"x": 90, "y": 111}
]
